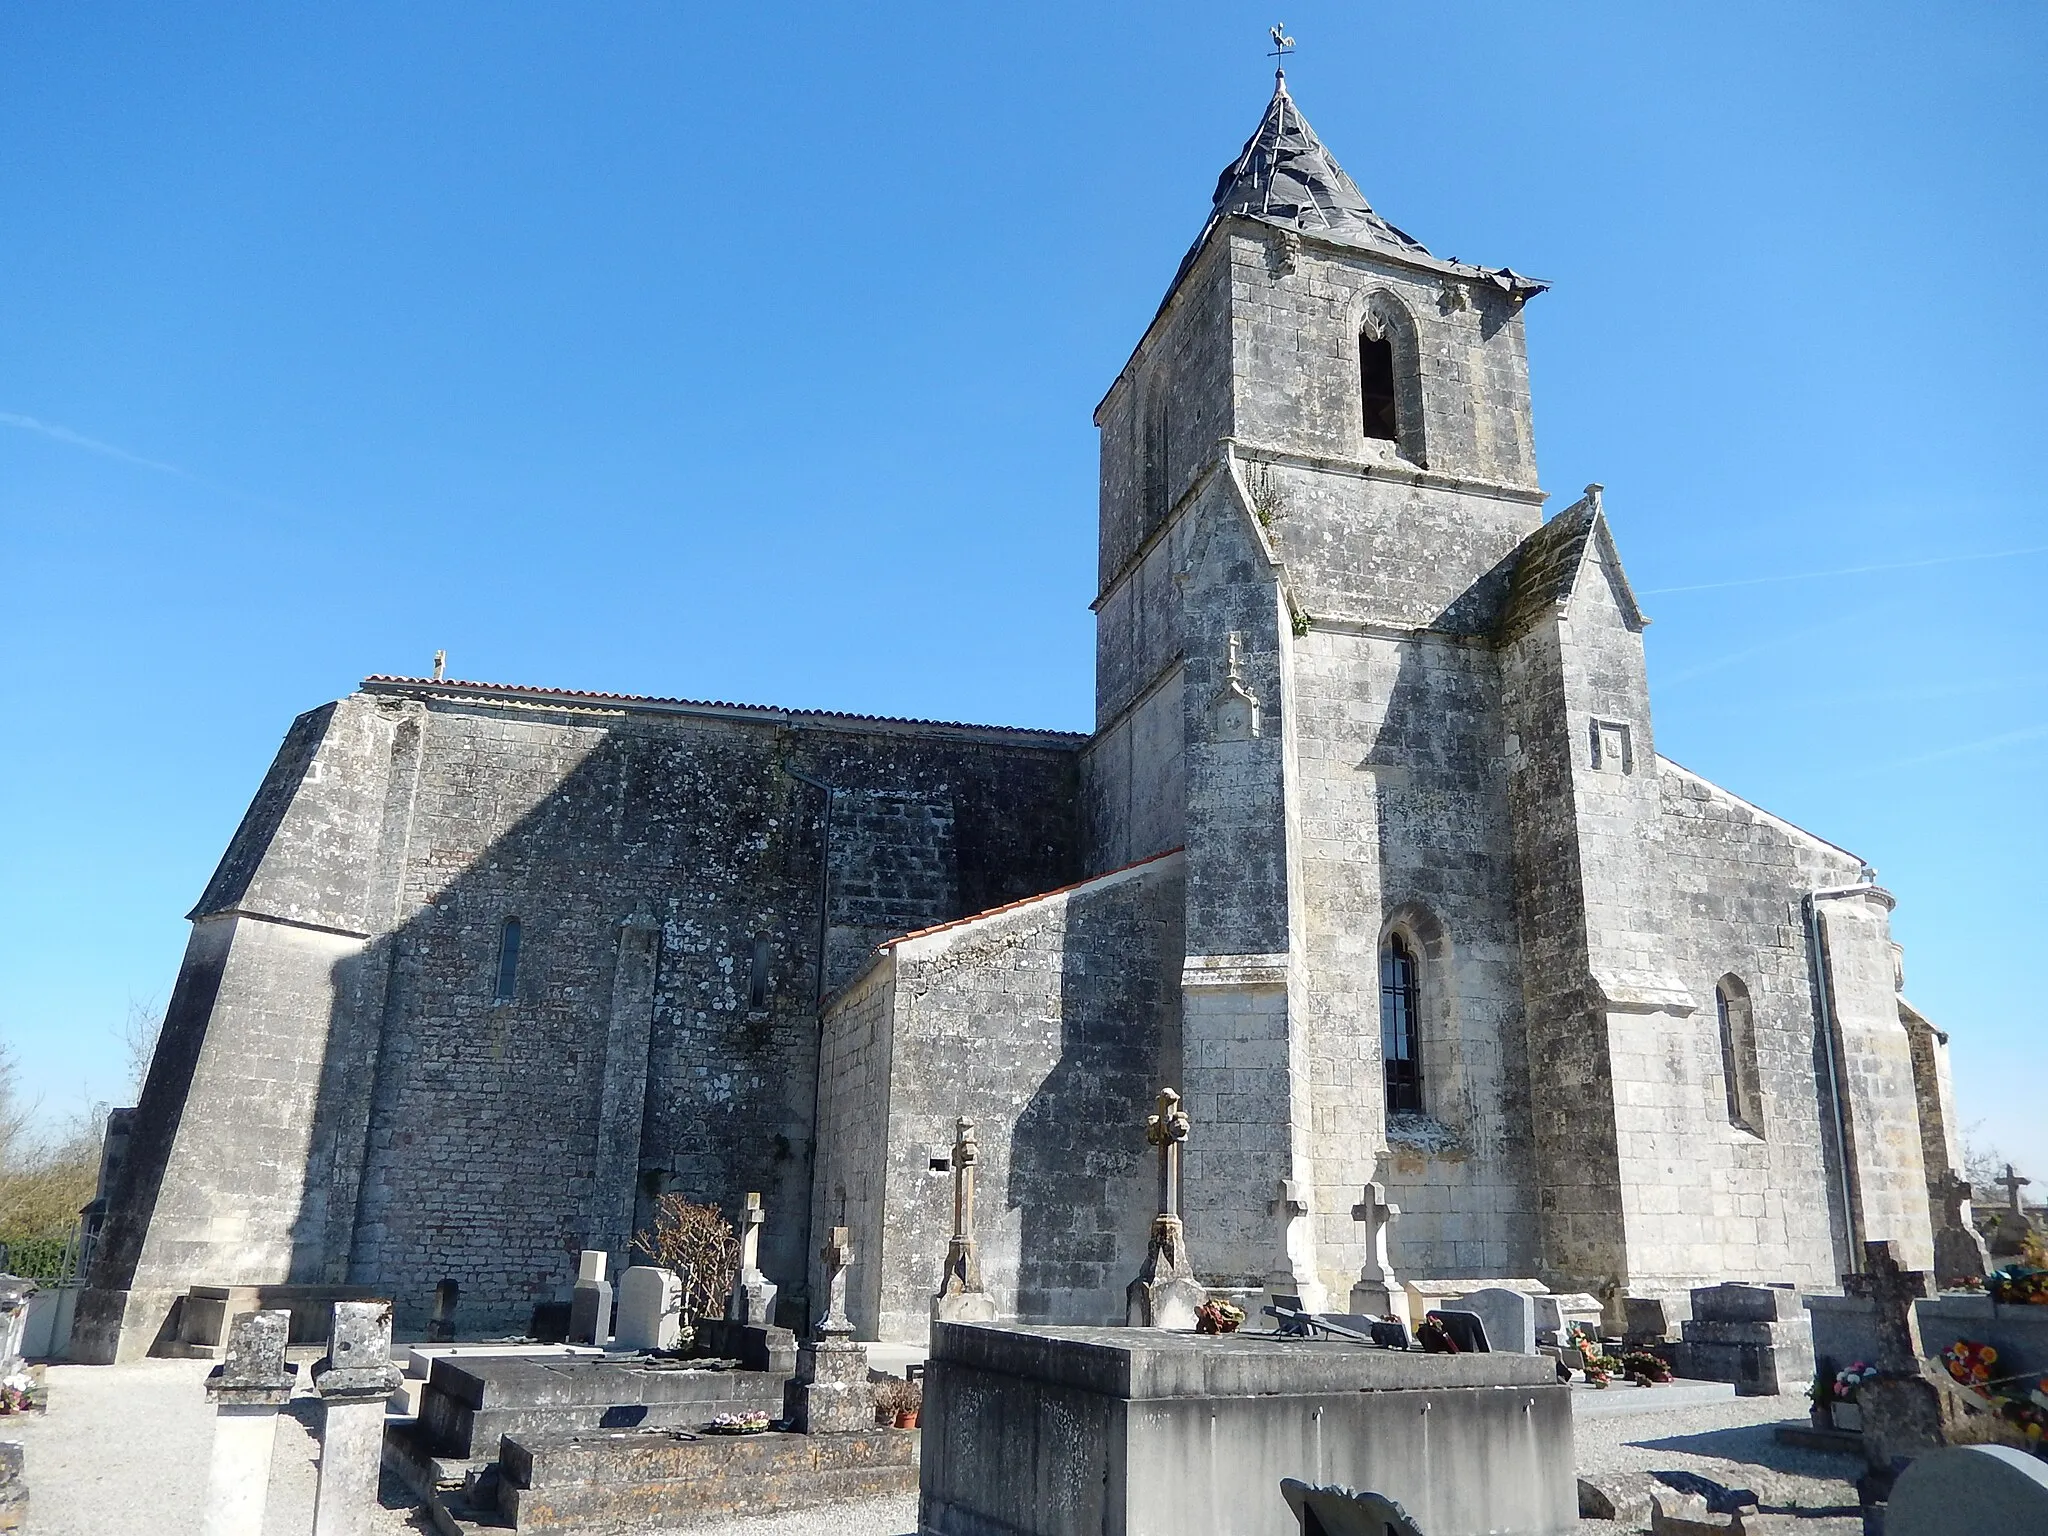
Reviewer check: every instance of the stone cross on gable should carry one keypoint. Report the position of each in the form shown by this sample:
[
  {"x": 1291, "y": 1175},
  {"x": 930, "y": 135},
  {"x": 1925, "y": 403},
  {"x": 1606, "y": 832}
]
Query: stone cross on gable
[
  {"x": 1894, "y": 1289},
  {"x": 2013, "y": 1185},
  {"x": 838, "y": 1256},
  {"x": 1166, "y": 1130}
]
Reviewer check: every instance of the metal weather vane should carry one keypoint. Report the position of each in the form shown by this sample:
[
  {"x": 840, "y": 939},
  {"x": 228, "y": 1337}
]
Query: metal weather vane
[{"x": 1283, "y": 45}]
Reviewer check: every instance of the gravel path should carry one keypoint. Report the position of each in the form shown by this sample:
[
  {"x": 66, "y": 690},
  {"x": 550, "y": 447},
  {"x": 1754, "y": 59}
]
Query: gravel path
[
  {"x": 123, "y": 1452},
  {"x": 1729, "y": 1444}
]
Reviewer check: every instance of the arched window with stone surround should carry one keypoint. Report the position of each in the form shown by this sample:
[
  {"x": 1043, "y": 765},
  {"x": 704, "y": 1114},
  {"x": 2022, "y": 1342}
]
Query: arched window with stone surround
[
  {"x": 1400, "y": 1018},
  {"x": 1739, "y": 1070},
  {"x": 1390, "y": 400}
]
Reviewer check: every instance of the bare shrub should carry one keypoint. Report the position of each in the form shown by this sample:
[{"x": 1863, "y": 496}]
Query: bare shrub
[{"x": 698, "y": 1243}]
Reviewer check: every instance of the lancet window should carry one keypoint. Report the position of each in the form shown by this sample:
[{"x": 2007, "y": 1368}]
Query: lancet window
[{"x": 1400, "y": 1010}]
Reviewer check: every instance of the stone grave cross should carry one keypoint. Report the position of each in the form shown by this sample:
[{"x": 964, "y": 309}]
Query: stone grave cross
[
  {"x": 1166, "y": 1293},
  {"x": 961, "y": 1298},
  {"x": 1167, "y": 1130},
  {"x": 1901, "y": 1408},
  {"x": 753, "y": 1293},
  {"x": 838, "y": 1256},
  {"x": 1379, "y": 1216},
  {"x": 1959, "y": 1252},
  {"x": 2013, "y": 1185},
  {"x": 1893, "y": 1289}
]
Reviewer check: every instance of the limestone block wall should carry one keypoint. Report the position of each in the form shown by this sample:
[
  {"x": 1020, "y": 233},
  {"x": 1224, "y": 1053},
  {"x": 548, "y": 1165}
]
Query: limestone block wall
[
  {"x": 1050, "y": 1024},
  {"x": 660, "y": 863},
  {"x": 1874, "y": 1062},
  {"x": 1297, "y": 322},
  {"x": 1737, "y": 878},
  {"x": 1405, "y": 826}
]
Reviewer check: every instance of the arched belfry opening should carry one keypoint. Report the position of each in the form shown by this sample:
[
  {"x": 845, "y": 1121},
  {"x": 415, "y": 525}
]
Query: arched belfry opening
[
  {"x": 1378, "y": 408},
  {"x": 1390, "y": 378}
]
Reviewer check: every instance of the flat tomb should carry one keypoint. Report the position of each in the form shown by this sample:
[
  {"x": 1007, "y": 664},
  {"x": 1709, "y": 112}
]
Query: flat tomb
[
  {"x": 645, "y": 1479},
  {"x": 471, "y": 1402},
  {"x": 1066, "y": 1431}
]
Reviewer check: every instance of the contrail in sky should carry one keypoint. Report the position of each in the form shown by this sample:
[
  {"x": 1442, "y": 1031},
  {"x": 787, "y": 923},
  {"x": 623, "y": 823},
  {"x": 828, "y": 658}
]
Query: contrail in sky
[
  {"x": 1985, "y": 744},
  {"x": 92, "y": 445},
  {"x": 108, "y": 450},
  {"x": 1851, "y": 570}
]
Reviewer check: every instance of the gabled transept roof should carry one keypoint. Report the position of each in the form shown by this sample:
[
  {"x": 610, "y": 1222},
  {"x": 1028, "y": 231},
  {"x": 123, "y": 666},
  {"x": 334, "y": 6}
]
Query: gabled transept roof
[{"x": 1548, "y": 564}]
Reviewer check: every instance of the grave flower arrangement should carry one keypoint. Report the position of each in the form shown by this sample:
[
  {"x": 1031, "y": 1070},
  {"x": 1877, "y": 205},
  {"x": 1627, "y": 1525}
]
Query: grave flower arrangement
[
  {"x": 1644, "y": 1368},
  {"x": 747, "y": 1423},
  {"x": 898, "y": 1402},
  {"x": 2018, "y": 1285},
  {"x": 1598, "y": 1366},
  {"x": 1849, "y": 1382},
  {"x": 1218, "y": 1316},
  {"x": 1970, "y": 1363}
]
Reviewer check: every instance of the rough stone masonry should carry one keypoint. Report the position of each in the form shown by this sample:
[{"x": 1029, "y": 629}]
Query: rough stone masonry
[{"x": 1371, "y": 853}]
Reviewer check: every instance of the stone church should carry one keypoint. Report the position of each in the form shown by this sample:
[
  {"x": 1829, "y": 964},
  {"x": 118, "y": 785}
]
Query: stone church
[{"x": 1370, "y": 853}]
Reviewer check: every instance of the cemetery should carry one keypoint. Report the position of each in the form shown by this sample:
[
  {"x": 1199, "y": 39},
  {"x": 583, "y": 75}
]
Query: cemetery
[{"x": 1325, "y": 1099}]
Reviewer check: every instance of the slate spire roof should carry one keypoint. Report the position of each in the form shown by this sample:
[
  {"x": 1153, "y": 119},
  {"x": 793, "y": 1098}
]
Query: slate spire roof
[{"x": 1284, "y": 175}]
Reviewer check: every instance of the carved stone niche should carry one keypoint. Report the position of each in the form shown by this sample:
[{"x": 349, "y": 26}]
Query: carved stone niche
[{"x": 1234, "y": 713}]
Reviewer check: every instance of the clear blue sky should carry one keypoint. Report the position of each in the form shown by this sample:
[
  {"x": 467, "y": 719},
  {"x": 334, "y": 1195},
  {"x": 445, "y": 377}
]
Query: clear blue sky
[{"x": 749, "y": 353}]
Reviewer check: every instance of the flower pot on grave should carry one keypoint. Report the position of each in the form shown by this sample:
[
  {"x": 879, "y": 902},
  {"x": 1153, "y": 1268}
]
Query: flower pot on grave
[{"x": 907, "y": 1419}]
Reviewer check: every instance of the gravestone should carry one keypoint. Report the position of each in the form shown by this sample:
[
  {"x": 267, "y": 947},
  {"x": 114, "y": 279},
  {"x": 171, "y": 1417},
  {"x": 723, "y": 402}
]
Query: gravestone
[
  {"x": 1970, "y": 1490},
  {"x": 1378, "y": 1293},
  {"x": 1648, "y": 1320},
  {"x": 590, "y": 1304},
  {"x": 1756, "y": 1336},
  {"x": 247, "y": 1388},
  {"x": 2014, "y": 1228},
  {"x": 1509, "y": 1317},
  {"x": 650, "y": 1312},
  {"x": 14, "y": 1298},
  {"x": 1166, "y": 1293},
  {"x": 13, "y": 1488},
  {"x": 1556, "y": 1314},
  {"x": 961, "y": 1298},
  {"x": 1466, "y": 1330},
  {"x": 1901, "y": 1407},
  {"x": 354, "y": 1382},
  {"x": 1959, "y": 1252},
  {"x": 753, "y": 1294},
  {"x": 830, "y": 1394},
  {"x": 441, "y": 1325},
  {"x": 1344, "y": 1511}
]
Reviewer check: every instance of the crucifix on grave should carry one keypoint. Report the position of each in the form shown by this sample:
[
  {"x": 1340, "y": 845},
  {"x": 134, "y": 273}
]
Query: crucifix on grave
[
  {"x": 753, "y": 1293},
  {"x": 2013, "y": 1185},
  {"x": 838, "y": 1256},
  {"x": 1378, "y": 1293},
  {"x": 961, "y": 1298},
  {"x": 1166, "y": 1293},
  {"x": 1901, "y": 1408}
]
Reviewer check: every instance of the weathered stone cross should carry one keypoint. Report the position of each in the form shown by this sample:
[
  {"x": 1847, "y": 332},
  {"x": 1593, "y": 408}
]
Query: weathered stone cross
[
  {"x": 966, "y": 1153},
  {"x": 751, "y": 1217},
  {"x": 838, "y": 1256},
  {"x": 1379, "y": 1216},
  {"x": 1956, "y": 1193},
  {"x": 1893, "y": 1289},
  {"x": 2013, "y": 1185},
  {"x": 1167, "y": 1130}
]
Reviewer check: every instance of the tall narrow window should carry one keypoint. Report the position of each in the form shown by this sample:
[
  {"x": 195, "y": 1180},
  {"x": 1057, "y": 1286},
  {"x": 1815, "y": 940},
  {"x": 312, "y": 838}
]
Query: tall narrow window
[
  {"x": 1376, "y": 388},
  {"x": 508, "y": 961},
  {"x": 757, "y": 975},
  {"x": 1739, "y": 1069},
  {"x": 1400, "y": 1001}
]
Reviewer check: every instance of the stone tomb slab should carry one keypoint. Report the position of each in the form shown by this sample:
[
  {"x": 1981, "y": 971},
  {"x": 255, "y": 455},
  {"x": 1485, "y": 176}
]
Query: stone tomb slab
[
  {"x": 1053, "y": 1431},
  {"x": 647, "y": 1479},
  {"x": 471, "y": 1402}
]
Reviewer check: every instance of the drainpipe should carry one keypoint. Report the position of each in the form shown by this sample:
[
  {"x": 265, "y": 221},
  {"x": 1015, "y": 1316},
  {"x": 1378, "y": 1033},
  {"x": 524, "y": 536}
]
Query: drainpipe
[
  {"x": 824, "y": 877},
  {"x": 1824, "y": 986}
]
